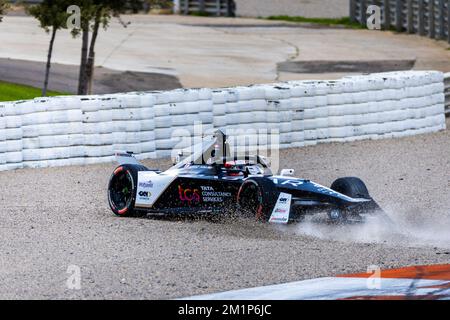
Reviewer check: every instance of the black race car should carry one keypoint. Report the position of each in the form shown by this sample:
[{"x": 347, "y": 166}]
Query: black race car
[{"x": 210, "y": 180}]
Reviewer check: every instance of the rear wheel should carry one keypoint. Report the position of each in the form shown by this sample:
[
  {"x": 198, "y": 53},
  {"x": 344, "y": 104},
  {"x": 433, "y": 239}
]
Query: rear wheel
[
  {"x": 122, "y": 189},
  {"x": 256, "y": 198}
]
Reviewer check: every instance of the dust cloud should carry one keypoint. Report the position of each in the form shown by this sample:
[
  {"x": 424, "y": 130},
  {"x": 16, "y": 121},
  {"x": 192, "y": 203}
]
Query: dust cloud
[{"x": 401, "y": 229}]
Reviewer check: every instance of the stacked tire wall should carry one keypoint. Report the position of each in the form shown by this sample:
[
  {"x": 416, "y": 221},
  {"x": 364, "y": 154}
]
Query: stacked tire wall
[
  {"x": 75, "y": 130},
  {"x": 447, "y": 94}
]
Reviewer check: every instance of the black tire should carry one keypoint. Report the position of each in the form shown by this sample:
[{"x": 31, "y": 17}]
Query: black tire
[
  {"x": 351, "y": 187},
  {"x": 122, "y": 189},
  {"x": 257, "y": 198},
  {"x": 354, "y": 188}
]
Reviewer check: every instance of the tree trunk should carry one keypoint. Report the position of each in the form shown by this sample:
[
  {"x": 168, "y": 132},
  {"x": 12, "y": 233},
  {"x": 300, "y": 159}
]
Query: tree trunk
[
  {"x": 49, "y": 61},
  {"x": 90, "y": 72},
  {"x": 91, "y": 56},
  {"x": 82, "y": 83}
]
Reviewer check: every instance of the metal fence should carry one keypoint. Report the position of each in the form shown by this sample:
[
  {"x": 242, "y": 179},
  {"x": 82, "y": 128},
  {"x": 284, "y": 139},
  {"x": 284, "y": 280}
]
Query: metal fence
[
  {"x": 207, "y": 7},
  {"x": 425, "y": 17},
  {"x": 25, "y": 1},
  {"x": 447, "y": 94}
]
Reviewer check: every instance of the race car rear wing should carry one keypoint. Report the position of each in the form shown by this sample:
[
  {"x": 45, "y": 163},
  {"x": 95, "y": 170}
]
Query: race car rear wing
[{"x": 124, "y": 157}]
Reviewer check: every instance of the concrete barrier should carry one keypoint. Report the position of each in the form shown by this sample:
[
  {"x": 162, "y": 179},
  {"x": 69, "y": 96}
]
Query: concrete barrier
[{"x": 74, "y": 130}]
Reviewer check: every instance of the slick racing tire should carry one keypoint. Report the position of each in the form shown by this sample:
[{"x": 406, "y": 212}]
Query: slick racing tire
[
  {"x": 352, "y": 187},
  {"x": 122, "y": 189},
  {"x": 257, "y": 198},
  {"x": 355, "y": 188}
]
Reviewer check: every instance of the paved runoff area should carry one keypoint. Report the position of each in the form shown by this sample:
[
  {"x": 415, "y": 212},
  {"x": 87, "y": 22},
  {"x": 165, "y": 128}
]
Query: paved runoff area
[
  {"x": 56, "y": 225},
  {"x": 216, "y": 52}
]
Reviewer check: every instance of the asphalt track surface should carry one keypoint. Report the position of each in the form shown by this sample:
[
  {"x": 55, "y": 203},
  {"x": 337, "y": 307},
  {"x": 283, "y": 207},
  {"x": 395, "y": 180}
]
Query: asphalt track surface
[
  {"x": 57, "y": 217},
  {"x": 64, "y": 78}
]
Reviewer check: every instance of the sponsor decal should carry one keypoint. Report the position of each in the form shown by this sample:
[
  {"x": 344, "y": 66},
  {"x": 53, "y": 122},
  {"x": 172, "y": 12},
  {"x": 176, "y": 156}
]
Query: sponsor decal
[
  {"x": 278, "y": 220},
  {"x": 150, "y": 187},
  {"x": 211, "y": 195},
  {"x": 144, "y": 187},
  {"x": 124, "y": 154},
  {"x": 189, "y": 195},
  {"x": 145, "y": 194},
  {"x": 280, "y": 213},
  {"x": 146, "y": 184},
  {"x": 292, "y": 182}
]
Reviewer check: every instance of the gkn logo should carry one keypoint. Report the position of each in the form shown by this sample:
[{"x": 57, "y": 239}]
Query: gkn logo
[{"x": 145, "y": 194}]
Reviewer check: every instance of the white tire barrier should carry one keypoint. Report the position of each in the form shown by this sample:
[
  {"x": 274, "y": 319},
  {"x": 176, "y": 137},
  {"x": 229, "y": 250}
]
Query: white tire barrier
[
  {"x": 175, "y": 116},
  {"x": 76, "y": 130},
  {"x": 447, "y": 93}
]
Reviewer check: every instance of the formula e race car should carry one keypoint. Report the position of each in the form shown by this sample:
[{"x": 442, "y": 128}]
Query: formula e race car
[{"x": 212, "y": 181}]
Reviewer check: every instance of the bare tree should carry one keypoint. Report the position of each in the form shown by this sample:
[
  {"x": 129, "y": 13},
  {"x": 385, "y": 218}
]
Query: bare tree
[
  {"x": 52, "y": 16},
  {"x": 94, "y": 15}
]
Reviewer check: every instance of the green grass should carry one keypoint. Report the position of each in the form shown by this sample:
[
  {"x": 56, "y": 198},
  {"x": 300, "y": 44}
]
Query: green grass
[
  {"x": 13, "y": 92},
  {"x": 199, "y": 14},
  {"x": 345, "y": 22}
]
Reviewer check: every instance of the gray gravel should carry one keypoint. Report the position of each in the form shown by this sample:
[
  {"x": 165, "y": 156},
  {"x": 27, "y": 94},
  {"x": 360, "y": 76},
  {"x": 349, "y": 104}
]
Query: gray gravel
[{"x": 53, "y": 218}]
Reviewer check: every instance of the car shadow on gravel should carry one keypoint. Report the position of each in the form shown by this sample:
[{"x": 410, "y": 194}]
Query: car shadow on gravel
[{"x": 226, "y": 225}]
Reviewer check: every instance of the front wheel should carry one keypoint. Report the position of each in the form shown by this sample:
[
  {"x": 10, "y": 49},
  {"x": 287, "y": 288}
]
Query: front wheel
[
  {"x": 337, "y": 215},
  {"x": 354, "y": 188},
  {"x": 122, "y": 189}
]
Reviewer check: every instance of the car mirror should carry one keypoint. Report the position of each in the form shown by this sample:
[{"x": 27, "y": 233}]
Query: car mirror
[
  {"x": 287, "y": 172},
  {"x": 178, "y": 158}
]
